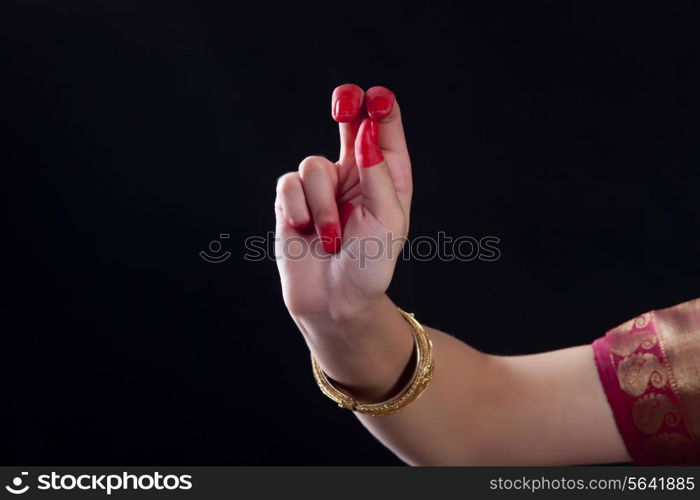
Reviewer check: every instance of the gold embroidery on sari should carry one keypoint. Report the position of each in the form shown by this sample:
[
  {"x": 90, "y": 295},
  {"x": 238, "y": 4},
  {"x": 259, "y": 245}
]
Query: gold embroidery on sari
[
  {"x": 639, "y": 322},
  {"x": 656, "y": 358},
  {"x": 679, "y": 338},
  {"x": 652, "y": 410},
  {"x": 624, "y": 344},
  {"x": 636, "y": 371}
]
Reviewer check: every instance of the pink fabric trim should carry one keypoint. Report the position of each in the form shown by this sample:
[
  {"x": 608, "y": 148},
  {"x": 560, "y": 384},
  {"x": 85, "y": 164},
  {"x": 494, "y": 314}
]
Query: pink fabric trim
[
  {"x": 619, "y": 403},
  {"x": 639, "y": 385}
]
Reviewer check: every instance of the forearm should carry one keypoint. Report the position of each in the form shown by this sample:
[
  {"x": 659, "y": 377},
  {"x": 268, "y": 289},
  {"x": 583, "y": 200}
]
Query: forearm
[
  {"x": 369, "y": 356},
  {"x": 478, "y": 409},
  {"x": 443, "y": 426}
]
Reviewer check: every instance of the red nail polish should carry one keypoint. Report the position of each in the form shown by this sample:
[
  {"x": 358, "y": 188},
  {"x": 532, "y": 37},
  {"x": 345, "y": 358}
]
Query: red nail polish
[
  {"x": 344, "y": 109},
  {"x": 379, "y": 102},
  {"x": 346, "y": 102},
  {"x": 345, "y": 211},
  {"x": 330, "y": 237},
  {"x": 367, "y": 151}
]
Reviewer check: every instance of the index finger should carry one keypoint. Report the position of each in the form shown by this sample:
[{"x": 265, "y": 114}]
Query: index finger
[{"x": 347, "y": 109}]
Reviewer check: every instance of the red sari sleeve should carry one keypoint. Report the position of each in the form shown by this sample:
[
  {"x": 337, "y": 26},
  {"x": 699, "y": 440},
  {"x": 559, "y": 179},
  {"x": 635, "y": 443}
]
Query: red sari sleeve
[{"x": 650, "y": 371}]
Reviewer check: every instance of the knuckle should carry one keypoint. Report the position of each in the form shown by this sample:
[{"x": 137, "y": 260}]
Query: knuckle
[
  {"x": 287, "y": 183},
  {"x": 311, "y": 164}
]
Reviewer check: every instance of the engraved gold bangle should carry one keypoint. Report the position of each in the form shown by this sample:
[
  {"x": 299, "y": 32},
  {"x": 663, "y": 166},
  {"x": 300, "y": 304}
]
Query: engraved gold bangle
[{"x": 423, "y": 372}]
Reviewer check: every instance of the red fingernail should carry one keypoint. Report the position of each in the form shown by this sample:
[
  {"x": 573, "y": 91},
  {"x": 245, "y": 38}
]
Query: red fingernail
[
  {"x": 344, "y": 109},
  {"x": 379, "y": 102},
  {"x": 367, "y": 151},
  {"x": 345, "y": 211},
  {"x": 330, "y": 237},
  {"x": 346, "y": 102}
]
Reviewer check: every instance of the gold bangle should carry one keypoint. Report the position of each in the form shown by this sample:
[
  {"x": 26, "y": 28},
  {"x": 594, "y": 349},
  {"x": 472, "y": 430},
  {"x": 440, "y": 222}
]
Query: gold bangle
[{"x": 422, "y": 374}]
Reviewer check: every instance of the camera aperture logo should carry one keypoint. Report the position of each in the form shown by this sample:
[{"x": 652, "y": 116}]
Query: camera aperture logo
[
  {"x": 16, "y": 487},
  {"x": 106, "y": 483},
  {"x": 215, "y": 254}
]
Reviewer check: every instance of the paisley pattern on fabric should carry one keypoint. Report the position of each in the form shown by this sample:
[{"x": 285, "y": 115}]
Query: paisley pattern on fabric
[
  {"x": 650, "y": 370},
  {"x": 650, "y": 412},
  {"x": 624, "y": 344},
  {"x": 636, "y": 371},
  {"x": 638, "y": 322}
]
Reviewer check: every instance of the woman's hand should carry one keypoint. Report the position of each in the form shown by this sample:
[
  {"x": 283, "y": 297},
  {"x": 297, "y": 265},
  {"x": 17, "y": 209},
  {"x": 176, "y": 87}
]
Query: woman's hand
[{"x": 341, "y": 226}]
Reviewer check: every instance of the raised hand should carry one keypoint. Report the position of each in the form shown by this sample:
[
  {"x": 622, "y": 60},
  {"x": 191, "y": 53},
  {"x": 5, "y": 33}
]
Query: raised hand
[{"x": 341, "y": 226}]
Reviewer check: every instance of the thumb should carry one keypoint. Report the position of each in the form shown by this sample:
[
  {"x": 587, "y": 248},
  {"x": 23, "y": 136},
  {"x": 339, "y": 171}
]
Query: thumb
[
  {"x": 383, "y": 108},
  {"x": 376, "y": 183}
]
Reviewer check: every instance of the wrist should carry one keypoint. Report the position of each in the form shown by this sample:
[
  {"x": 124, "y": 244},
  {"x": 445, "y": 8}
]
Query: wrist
[
  {"x": 412, "y": 382},
  {"x": 344, "y": 319},
  {"x": 367, "y": 353}
]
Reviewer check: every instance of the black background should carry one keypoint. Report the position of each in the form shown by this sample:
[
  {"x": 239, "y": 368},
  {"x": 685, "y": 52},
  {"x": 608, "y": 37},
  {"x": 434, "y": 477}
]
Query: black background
[{"x": 140, "y": 131}]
